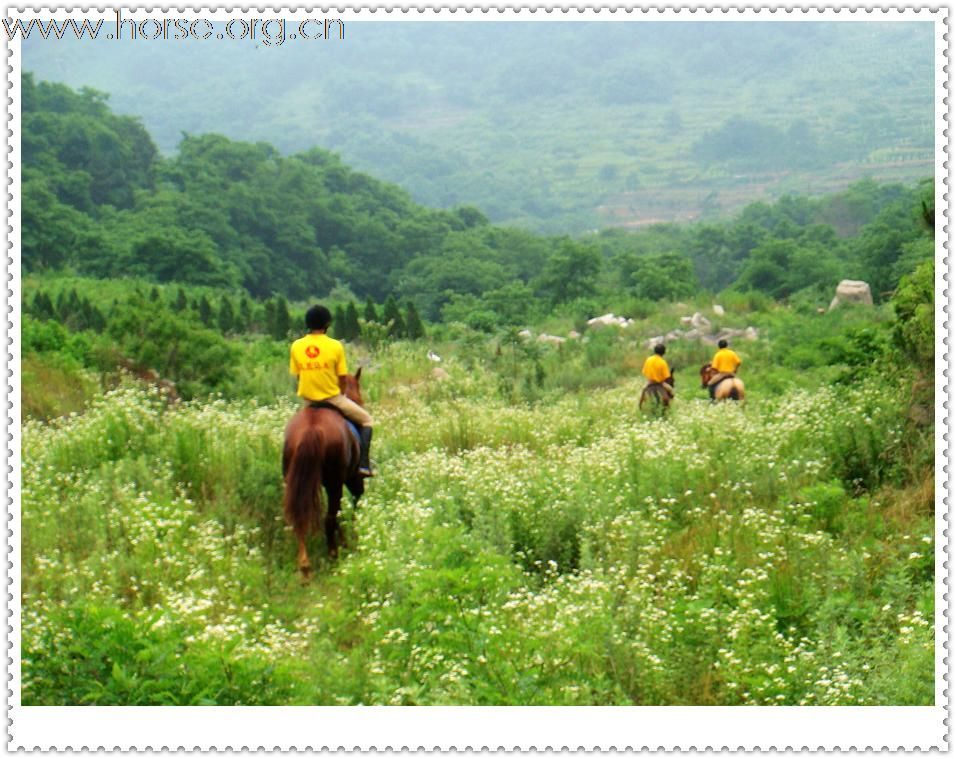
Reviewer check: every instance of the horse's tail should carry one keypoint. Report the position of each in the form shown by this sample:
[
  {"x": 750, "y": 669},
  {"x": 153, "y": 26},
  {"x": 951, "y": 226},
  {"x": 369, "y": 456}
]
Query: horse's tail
[{"x": 303, "y": 483}]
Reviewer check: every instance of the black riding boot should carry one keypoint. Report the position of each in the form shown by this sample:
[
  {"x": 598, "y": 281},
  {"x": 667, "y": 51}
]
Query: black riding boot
[
  {"x": 365, "y": 469},
  {"x": 713, "y": 390}
]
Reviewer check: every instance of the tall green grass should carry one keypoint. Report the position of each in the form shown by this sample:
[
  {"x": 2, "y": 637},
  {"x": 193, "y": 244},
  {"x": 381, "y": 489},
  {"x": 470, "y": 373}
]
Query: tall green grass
[{"x": 566, "y": 551}]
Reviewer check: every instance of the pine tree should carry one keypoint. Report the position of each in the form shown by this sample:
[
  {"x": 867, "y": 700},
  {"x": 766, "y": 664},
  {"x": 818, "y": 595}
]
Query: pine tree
[
  {"x": 205, "y": 311},
  {"x": 371, "y": 314},
  {"x": 90, "y": 317},
  {"x": 282, "y": 322},
  {"x": 413, "y": 323},
  {"x": 42, "y": 307},
  {"x": 393, "y": 318},
  {"x": 72, "y": 313},
  {"x": 181, "y": 302},
  {"x": 95, "y": 318},
  {"x": 61, "y": 311},
  {"x": 227, "y": 317},
  {"x": 338, "y": 323},
  {"x": 245, "y": 315},
  {"x": 352, "y": 328},
  {"x": 154, "y": 294}
]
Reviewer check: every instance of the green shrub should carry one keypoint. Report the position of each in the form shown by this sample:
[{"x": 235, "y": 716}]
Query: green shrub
[
  {"x": 90, "y": 655},
  {"x": 915, "y": 330}
]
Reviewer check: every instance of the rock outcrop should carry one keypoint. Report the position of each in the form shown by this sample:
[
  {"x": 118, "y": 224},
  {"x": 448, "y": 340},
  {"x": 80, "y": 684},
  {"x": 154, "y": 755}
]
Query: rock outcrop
[
  {"x": 701, "y": 323},
  {"x": 610, "y": 320},
  {"x": 852, "y": 291},
  {"x": 551, "y": 339}
]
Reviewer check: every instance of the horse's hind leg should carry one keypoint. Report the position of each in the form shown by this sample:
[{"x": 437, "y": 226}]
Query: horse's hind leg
[
  {"x": 305, "y": 567},
  {"x": 333, "y": 532}
]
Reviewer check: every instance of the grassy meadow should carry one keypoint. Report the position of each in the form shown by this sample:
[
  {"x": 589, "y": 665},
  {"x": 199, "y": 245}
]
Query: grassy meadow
[{"x": 531, "y": 538}]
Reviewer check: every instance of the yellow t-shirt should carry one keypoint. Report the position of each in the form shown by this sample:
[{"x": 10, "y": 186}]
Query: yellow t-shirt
[
  {"x": 656, "y": 369},
  {"x": 726, "y": 361},
  {"x": 318, "y": 361}
]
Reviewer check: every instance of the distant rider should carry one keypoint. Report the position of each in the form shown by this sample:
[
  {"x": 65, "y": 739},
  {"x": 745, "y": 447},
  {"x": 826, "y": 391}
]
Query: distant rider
[
  {"x": 725, "y": 363},
  {"x": 658, "y": 372},
  {"x": 319, "y": 362}
]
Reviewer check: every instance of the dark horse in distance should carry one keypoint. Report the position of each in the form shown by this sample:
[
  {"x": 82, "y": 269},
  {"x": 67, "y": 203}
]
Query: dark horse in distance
[
  {"x": 660, "y": 394},
  {"x": 320, "y": 451}
]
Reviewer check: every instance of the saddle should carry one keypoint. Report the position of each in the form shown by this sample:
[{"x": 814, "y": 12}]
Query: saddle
[
  {"x": 666, "y": 386},
  {"x": 349, "y": 424},
  {"x": 717, "y": 379}
]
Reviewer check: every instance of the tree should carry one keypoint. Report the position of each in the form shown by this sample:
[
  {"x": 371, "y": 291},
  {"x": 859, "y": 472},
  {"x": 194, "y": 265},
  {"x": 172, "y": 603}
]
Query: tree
[
  {"x": 227, "y": 317},
  {"x": 171, "y": 255},
  {"x": 882, "y": 243},
  {"x": 512, "y": 303},
  {"x": 244, "y": 320},
  {"x": 268, "y": 316},
  {"x": 181, "y": 301},
  {"x": 915, "y": 332},
  {"x": 338, "y": 323},
  {"x": 471, "y": 217},
  {"x": 371, "y": 314},
  {"x": 90, "y": 317},
  {"x": 352, "y": 328},
  {"x": 282, "y": 322},
  {"x": 205, "y": 311},
  {"x": 431, "y": 281},
  {"x": 42, "y": 307},
  {"x": 413, "y": 324},
  {"x": 51, "y": 229},
  {"x": 571, "y": 272},
  {"x": 393, "y": 318},
  {"x": 665, "y": 277}
]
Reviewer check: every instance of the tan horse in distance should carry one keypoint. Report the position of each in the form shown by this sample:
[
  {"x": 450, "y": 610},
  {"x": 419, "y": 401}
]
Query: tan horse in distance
[{"x": 729, "y": 388}]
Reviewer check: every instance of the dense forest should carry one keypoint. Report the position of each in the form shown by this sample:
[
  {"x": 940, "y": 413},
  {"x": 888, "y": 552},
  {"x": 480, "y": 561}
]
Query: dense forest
[
  {"x": 569, "y": 126},
  {"x": 101, "y": 201}
]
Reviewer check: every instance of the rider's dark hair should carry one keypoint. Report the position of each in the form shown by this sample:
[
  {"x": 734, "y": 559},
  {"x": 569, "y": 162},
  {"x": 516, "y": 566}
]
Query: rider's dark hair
[
  {"x": 318, "y": 317},
  {"x": 659, "y": 349},
  {"x": 721, "y": 343}
]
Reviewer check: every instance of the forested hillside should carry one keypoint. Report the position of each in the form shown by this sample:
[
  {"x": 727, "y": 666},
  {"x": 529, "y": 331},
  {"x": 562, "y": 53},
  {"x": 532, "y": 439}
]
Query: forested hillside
[
  {"x": 100, "y": 200},
  {"x": 569, "y": 126}
]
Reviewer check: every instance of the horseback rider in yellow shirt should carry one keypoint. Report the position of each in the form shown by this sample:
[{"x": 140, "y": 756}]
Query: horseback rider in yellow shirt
[
  {"x": 319, "y": 361},
  {"x": 658, "y": 372},
  {"x": 725, "y": 363}
]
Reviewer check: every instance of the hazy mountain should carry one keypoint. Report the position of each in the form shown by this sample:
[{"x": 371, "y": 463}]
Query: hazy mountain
[{"x": 560, "y": 126}]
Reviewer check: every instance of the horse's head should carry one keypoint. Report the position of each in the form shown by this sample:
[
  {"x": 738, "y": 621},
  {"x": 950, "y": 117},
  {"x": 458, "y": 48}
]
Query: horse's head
[
  {"x": 706, "y": 372},
  {"x": 351, "y": 388}
]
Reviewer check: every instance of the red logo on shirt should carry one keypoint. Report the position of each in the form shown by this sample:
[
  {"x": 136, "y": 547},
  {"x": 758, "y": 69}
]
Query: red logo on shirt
[{"x": 311, "y": 351}]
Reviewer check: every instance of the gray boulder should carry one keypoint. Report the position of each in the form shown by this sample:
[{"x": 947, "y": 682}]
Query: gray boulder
[
  {"x": 701, "y": 323},
  {"x": 852, "y": 291}
]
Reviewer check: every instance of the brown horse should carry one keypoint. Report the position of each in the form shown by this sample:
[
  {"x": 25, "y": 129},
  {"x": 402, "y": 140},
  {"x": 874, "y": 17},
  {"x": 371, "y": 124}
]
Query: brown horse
[
  {"x": 320, "y": 452},
  {"x": 729, "y": 387}
]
